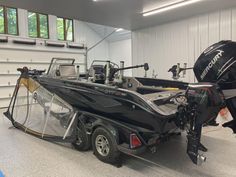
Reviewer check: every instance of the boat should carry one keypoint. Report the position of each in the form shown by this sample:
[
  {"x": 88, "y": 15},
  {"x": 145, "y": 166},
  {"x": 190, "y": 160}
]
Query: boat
[{"x": 115, "y": 114}]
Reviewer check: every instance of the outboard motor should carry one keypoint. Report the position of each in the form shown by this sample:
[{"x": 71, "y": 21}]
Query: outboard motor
[
  {"x": 215, "y": 70},
  {"x": 217, "y": 64},
  {"x": 204, "y": 103}
]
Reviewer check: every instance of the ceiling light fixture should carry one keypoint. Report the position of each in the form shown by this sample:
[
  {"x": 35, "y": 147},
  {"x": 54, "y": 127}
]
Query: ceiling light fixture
[
  {"x": 169, "y": 7},
  {"x": 119, "y": 29}
]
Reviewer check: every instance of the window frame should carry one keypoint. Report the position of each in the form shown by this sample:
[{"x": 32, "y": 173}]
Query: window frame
[
  {"x": 38, "y": 24},
  {"x": 6, "y": 20},
  {"x": 64, "y": 30}
]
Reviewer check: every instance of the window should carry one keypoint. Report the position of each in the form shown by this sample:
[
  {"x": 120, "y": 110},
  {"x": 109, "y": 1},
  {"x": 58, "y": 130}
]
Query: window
[
  {"x": 2, "y": 24},
  {"x": 65, "y": 29},
  {"x": 38, "y": 25},
  {"x": 8, "y": 20}
]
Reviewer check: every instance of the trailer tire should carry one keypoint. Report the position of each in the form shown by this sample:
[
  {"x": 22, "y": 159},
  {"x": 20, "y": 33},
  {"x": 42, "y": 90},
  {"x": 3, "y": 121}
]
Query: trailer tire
[
  {"x": 83, "y": 141},
  {"x": 105, "y": 146}
]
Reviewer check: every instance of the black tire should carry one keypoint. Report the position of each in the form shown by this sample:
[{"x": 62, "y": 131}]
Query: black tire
[
  {"x": 83, "y": 141},
  {"x": 113, "y": 155}
]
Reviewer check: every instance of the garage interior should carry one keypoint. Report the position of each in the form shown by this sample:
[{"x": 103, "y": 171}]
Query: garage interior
[{"x": 161, "y": 33}]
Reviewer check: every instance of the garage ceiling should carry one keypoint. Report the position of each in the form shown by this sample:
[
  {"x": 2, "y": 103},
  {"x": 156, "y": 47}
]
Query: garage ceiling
[
  {"x": 125, "y": 14},
  {"x": 103, "y": 31}
]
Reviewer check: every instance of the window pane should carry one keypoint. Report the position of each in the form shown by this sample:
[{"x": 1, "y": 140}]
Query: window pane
[
  {"x": 69, "y": 30},
  {"x": 1, "y": 20},
  {"x": 12, "y": 21},
  {"x": 60, "y": 29},
  {"x": 43, "y": 20},
  {"x": 32, "y": 24}
]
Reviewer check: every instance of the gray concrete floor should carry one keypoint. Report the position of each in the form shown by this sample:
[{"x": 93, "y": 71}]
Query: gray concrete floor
[{"x": 22, "y": 155}]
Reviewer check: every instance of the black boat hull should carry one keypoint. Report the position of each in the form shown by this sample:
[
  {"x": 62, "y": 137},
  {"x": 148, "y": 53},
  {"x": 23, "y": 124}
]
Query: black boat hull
[{"x": 111, "y": 102}]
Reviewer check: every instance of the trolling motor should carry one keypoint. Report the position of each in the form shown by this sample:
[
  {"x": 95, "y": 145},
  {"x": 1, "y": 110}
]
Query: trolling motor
[{"x": 25, "y": 71}]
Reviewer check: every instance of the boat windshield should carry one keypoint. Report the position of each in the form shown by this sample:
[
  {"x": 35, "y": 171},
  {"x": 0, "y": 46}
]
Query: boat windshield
[{"x": 56, "y": 62}]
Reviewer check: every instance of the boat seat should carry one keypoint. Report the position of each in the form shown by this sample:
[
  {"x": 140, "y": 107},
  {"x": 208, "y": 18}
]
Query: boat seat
[{"x": 97, "y": 73}]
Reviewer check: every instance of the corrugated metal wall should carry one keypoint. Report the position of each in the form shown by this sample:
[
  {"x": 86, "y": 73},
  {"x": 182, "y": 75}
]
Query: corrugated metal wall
[
  {"x": 121, "y": 51},
  {"x": 183, "y": 41}
]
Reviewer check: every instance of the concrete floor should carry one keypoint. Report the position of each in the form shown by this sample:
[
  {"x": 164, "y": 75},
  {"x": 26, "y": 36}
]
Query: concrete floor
[{"x": 22, "y": 155}]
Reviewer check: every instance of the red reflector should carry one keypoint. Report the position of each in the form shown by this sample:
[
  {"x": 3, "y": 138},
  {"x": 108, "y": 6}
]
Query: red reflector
[{"x": 134, "y": 141}]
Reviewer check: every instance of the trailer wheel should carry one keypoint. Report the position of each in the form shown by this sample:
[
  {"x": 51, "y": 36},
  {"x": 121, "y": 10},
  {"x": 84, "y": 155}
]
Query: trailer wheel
[
  {"x": 82, "y": 142},
  {"x": 105, "y": 146}
]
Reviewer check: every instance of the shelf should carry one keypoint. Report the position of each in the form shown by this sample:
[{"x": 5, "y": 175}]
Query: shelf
[
  {"x": 23, "y": 62},
  {"x": 24, "y": 41},
  {"x": 9, "y": 74},
  {"x": 31, "y": 62},
  {"x": 5, "y": 86},
  {"x": 76, "y": 48},
  {"x": 3, "y": 39},
  {"x": 75, "y": 45},
  {"x": 7, "y": 98},
  {"x": 54, "y": 44},
  {"x": 46, "y": 49},
  {"x": 6, "y": 107}
]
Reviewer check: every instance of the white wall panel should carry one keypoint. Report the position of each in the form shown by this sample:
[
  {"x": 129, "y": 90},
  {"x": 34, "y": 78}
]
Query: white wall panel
[
  {"x": 11, "y": 59},
  {"x": 203, "y": 31},
  {"x": 38, "y": 56},
  {"x": 234, "y": 24},
  {"x": 9, "y": 80},
  {"x": 23, "y": 24},
  {"x": 89, "y": 37},
  {"x": 6, "y": 92},
  {"x": 121, "y": 51},
  {"x": 182, "y": 41},
  {"x": 225, "y": 24},
  {"x": 52, "y": 21},
  {"x": 193, "y": 44},
  {"x": 214, "y": 27},
  {"x": 153, "y": 46}
]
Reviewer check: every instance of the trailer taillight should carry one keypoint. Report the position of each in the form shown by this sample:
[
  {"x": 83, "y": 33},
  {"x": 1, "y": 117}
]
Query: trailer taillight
[{"x": 134, "y": 141}]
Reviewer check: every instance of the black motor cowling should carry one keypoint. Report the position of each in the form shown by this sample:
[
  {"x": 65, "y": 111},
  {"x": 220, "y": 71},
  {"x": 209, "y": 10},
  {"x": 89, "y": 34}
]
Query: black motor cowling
[{"x": 217, "y": 63}]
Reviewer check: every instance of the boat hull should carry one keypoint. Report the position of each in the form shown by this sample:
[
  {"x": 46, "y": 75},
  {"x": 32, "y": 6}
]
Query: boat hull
[{"x": 110, "y": 102}]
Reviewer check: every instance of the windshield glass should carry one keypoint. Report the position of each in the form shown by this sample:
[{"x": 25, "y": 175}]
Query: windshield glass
[{"x": 56, "y": 62}]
